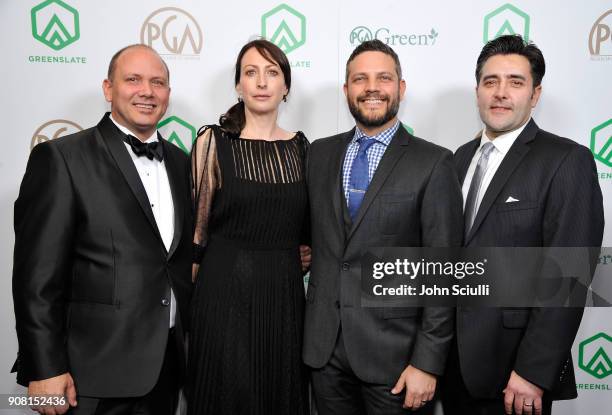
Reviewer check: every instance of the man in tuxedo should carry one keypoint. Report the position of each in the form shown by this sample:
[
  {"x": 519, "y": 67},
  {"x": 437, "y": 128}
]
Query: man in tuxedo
[
  {"x": 103, "y": 250},
  {"x": 522, "y": 187},
  {"x": 374, "y": 186}
]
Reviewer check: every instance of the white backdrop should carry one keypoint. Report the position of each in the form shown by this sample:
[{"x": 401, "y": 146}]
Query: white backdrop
[{"x": 55, "y": 56}]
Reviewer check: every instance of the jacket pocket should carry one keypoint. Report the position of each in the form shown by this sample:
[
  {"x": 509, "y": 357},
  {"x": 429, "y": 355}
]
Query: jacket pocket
[{"x": 520, "y": 205}]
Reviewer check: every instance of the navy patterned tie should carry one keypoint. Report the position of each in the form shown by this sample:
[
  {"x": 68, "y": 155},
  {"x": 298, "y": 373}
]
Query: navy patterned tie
[{"x": 358, "y": 184}]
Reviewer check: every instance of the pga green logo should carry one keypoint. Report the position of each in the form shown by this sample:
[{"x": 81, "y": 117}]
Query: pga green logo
[
  {"x": 55, "y": 24},
  {"x": 593, "y": 355},
  {"x": 285, "y": 27},
  {"x": 178, "y": 132},
  {"x": 506, "y": 20},
  {"x": 601, "y": 142}
]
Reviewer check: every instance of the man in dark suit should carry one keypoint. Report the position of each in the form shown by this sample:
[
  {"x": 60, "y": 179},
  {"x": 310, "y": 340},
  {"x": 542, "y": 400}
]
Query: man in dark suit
[
  {"x": 374, "y": 186},
  {"x": 523, "y": 187},
  {"x": 103, "y": 250}
]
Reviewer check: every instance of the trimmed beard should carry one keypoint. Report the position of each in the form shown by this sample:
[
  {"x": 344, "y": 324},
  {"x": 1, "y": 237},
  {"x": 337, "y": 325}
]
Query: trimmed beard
[{"x": 371, "y": 122}]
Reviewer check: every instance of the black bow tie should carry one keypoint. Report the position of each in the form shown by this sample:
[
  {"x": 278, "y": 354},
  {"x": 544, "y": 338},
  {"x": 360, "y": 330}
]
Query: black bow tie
[{"x": 150, "y": 150}]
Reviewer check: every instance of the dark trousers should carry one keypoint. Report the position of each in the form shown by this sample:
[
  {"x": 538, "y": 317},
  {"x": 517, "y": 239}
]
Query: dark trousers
[
  {"x": 161, "y": 400},
  {"x": 457, "y": 400},
  {"x": 338, "y": 391}
]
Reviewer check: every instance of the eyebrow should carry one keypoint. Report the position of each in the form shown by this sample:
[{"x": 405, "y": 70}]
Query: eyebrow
[
  {"x": 511, "y": 76},
  {"x": 377, "y": 73},
  {"x": 271, "y": 65}
]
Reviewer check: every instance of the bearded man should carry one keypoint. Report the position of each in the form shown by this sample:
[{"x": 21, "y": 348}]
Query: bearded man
[{"x": 375, "y": 186}]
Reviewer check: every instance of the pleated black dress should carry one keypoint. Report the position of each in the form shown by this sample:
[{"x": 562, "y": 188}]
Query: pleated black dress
[{"x": 246, "y": 323}]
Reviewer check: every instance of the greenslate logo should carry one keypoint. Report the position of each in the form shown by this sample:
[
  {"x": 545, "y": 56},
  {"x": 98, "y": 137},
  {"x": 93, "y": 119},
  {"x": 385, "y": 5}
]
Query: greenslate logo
[
  {"x": 55, "y": 24},
  {"x": 601, "y": 142},
  {"x": 593, "y": 357},
  {"x": 506, "y": 20},
  {"x": 285, "y": 27},
  {"x": 178, "y": 132}
]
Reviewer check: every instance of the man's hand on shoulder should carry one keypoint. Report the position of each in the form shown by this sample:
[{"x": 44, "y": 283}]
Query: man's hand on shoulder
[
  {"x": 522, "y": 396},
  {"x": 61, "y": 385},
  {"x": 420, "y": 387}
]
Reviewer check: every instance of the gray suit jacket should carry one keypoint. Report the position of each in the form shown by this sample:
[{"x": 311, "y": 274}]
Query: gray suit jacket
[{"x": 414, "y": 199}]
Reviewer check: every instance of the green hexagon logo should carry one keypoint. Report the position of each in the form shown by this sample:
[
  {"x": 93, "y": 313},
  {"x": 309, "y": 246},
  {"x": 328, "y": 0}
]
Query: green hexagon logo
[
  {"x": 55, "y": 24},
  {"x": 408, "y": 128},
  {"x": 601, "y": 142},
  {"x": 178, "y": 131},
  {"x": 506, "y": 20},
  {"x": 285, "y": 27},
  {"x": 593, "y": 355}
]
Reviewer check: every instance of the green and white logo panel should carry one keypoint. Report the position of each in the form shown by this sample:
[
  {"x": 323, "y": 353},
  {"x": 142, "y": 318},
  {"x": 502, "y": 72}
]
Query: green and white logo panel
[
  {"x": 178, "y": 132},
  {"x": 601, "y": 142},
  {"x": 55, "y": 24},
  {"x": 390, "y": 37},
  {"x": 506, "y": 20},
  {"x": 285, "y": 27},
  {"x": 594, "y": 355}
]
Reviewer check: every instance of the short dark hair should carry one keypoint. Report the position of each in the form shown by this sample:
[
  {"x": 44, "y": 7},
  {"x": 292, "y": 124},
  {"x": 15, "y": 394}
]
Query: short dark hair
[
  {"x": 374, "y": 45},
  {"x": 113, "y": 62},
  {"x": 513, "y": 45}
]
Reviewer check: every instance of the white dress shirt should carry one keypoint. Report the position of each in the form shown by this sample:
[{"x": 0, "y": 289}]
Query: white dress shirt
[
  {"x": 154, "y": 178},
  {"x": 501, "y": 146}
]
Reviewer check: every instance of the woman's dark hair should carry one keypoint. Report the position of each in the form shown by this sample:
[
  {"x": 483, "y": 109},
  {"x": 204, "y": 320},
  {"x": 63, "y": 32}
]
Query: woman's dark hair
[{"x": 233, "y": 120}]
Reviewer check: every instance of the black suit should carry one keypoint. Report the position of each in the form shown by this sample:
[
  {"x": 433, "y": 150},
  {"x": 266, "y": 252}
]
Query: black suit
[
  {"x": 414, "y": 199},
  {"x": 559, "y": 204},
  {"x": 91, "y": 276}
]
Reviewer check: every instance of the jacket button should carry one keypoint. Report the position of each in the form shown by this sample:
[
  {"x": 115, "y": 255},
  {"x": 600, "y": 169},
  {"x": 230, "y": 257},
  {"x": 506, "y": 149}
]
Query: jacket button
[
  {"x": 165, "y": 302},
  {"x": 346, "y": 266}
]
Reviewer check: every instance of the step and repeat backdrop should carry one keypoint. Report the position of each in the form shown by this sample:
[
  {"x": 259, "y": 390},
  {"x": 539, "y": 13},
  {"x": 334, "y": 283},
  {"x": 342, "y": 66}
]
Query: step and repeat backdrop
[{"x": 55, "y": 54}]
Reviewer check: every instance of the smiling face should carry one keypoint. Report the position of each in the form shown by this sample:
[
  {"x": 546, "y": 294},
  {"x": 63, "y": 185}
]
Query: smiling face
[
  {"x": 262, "y": 83},
  {"x": 505, "y": 93},
  {"x": 373, "y": 91},
  {"x": 138, "y": 91}
]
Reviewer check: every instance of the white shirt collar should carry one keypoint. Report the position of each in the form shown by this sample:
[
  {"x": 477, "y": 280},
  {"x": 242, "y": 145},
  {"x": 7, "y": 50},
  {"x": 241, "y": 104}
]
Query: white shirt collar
[
  {"x": 502, "y": 142},
  {"x": 126, "y": 131}
]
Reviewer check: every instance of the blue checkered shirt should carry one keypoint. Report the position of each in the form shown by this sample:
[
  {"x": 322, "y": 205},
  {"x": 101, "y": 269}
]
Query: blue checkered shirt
[{"x": 374, "y": 153}]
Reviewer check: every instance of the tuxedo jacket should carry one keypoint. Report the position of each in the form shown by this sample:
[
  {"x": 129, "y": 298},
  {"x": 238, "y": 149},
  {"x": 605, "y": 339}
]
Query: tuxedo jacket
[
  {"x": 559, "y": 203},
  {"x": 413, "y": 200},
  {"x": 91, "y": 274}
]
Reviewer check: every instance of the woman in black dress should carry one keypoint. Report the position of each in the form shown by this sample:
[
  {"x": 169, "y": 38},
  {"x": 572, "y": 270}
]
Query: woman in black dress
[{"x": 251, "y": 207}]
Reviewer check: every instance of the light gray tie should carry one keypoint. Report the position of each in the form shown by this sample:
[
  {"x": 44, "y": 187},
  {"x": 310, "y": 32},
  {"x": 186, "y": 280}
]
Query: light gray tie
[{"x": 470, "y": 203}]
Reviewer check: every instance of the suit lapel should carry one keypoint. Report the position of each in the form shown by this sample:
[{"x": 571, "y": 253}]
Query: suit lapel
[
  {"x": 337, "y": 189},
  {"x": 176, "y": 177},
  {"x": 463, "y": 163},
  {"x": 114, "y": 140},
  {"x": 510, "y": 162},
  {"x": 393, "y": 153}
]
